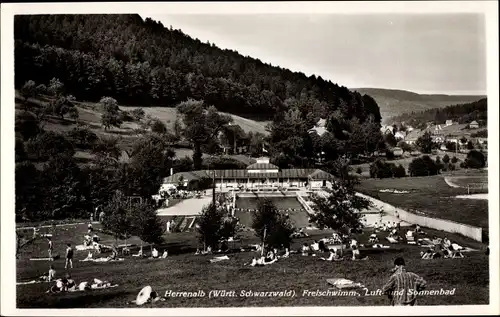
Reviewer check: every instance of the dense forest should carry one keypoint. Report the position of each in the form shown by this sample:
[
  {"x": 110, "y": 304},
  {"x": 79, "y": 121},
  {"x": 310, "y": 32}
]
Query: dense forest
[
  {"x": 140, "y": 62},
  {"x": 463, "y": 113}
]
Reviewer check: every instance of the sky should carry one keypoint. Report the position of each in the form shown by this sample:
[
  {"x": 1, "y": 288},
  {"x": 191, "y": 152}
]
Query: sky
[{"x": 426, "y": 53}]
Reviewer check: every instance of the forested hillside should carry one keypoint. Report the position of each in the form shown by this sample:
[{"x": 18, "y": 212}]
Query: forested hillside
[
  {"x": 141, "y": 63},
  {"x": 393, "y": 102},
  {"x": 463, "y": 113}
]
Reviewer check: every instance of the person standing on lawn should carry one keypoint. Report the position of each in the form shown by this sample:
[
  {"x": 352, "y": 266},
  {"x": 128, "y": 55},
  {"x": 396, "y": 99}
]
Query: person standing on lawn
[
  {"x": 69, "y": 256},
  {"x": 403, "y": 286},
  {"x": 51, "y": 249}
]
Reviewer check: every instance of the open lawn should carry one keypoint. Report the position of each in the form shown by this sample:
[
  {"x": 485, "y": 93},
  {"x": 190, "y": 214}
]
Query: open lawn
[
  {"x": 90, "y": 115},
  {"x": 429, "y": 196},
  {"x": 168, "y": 115},
  {"x": 183, "y": 271}
]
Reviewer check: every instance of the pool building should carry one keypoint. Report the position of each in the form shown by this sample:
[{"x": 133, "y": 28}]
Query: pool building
[{"x": 260, "y": 175}]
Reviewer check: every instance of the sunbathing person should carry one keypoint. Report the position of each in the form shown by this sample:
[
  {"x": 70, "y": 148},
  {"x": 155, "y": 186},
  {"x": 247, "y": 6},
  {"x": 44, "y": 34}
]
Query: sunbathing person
[
  {"x": 315, "y": 246},
  {"x": 373, "y": 238},
  {"x": 262, "y": 261},
  {"x": 140, "y": 253},
  {"x": 356, "y": 255},
  {"x": 334, "y": 256},
  {"x": 306, "y": 250},
  {"x": 456, "y": 254},
  {"x": 155, "y": 254},
  {"x": 427, "y": 255},
  {"x": 165, "y": 254}
]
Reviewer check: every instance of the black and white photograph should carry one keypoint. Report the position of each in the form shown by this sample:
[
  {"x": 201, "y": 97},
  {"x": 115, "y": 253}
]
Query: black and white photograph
[{"x": 318, "y": 160}]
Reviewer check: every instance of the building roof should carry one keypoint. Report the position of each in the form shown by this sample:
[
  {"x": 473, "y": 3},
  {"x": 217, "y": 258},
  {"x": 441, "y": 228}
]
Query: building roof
[
  {"x": 262, "y": 166},
  {"x": 474, "y": 122},
  {"x": 320, "y": 175},
  {"x": 293, "y": 173}
]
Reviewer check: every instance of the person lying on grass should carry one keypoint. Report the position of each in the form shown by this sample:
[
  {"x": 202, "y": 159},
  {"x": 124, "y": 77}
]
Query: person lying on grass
[
  {"x": 306, "y": 250},
  {"x": 427, "y": 255},
  {"x": 356, "y": 255},
  {"x": 262, "y": 261},
  {"x": 334, "y": 256},
  {"x": 62, "y": 285},
  {"x": 140, "y": 253}
]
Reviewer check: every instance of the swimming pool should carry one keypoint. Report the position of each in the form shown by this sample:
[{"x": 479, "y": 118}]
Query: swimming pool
[{"x": 299, "y": 217}]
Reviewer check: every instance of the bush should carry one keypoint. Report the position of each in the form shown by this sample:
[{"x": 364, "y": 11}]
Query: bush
[
  {"x": 158, "y": 127},
  {"x": 359, "y": 170},
  {"x": 184, "y": 164},
  {"x": 454, "y": 160},
  {"x": 475, "y": 159},
  {"x": 137, "y": 114},
  {"x": 446, "y": 159},
  {"x": 389, "y": 154},
  {"x": 82, "y": 137},
  {"x": 423, "y": 166},
  {"x": 125, "y": 116},
  {"x": 399, "y": 171},
  {"x": 20, "y": 153},
  {"x": 470, "y": 146},
  {"x": 48, "y": 145},
  {"x": 222, "y": 163},
  {"x": 439, "y": 164},
  {"x": 451, "y": 146},
  {"x": 381, "y": 169},
  {"x": 27, "y": 125},
  {"x": 405, "y": 146}
]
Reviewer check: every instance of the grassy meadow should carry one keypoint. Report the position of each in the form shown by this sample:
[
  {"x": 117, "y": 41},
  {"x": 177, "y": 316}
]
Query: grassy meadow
[
  {"x": 183, "y": 271},
  {"x": 430, "y": 196}
]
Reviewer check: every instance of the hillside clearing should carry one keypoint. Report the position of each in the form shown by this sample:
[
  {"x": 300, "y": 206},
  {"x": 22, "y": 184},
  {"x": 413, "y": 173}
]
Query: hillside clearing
[{"x": 168, "y": 116}]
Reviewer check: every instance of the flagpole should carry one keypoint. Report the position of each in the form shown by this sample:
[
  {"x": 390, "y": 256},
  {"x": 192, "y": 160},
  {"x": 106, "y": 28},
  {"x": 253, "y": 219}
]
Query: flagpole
[{"x": 263, "y": 242}]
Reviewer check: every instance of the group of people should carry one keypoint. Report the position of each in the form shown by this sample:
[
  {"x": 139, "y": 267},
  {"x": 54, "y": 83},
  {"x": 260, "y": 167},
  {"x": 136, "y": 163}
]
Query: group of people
[
  {"x": 442, "y": 248},
  {"x": 387, "y": 226},
  {"x": 155, "y": 254},
  {"x": 321, "y": 246},
  {"x": 67, "y": 284},
  {"x": 68, "y": 256}
]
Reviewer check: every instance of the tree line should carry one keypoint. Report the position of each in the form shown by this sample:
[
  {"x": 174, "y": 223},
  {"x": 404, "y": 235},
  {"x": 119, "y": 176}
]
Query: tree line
[{"x": 463, "y": 113}]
